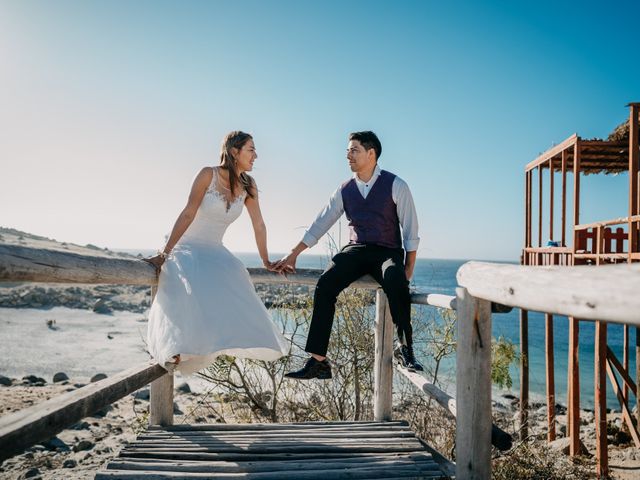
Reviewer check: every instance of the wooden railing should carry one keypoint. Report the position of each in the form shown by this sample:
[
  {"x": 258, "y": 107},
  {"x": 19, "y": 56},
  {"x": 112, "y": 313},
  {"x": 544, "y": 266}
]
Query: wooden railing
[
  {"x": 604, "y": 294},
  {"x": 472, "y": 411},
  {"x": 598, "y": 242}
]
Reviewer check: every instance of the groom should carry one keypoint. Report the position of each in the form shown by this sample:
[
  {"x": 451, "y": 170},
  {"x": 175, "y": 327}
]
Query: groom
[{"x": 382, "y": 217}]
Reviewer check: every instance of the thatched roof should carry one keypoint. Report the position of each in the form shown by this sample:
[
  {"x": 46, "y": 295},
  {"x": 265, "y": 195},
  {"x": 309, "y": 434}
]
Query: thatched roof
[
  {"x": 620, "y": 133},
  {"x": 596, "y": 155}
]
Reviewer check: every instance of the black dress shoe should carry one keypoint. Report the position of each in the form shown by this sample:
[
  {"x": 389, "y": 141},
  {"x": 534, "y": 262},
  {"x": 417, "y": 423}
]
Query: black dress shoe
[
  {"x": 405, "y": 357},
  {"x": 312, "y": 369}
]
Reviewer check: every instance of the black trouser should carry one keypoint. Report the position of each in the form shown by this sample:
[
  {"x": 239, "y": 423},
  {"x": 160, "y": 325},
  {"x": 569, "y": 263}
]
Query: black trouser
[{"x": 384, "y": 264}]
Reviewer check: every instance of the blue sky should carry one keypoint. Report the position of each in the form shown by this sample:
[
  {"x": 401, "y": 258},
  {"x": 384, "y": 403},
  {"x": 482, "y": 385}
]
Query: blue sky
[{"x": 109, "y": 109}]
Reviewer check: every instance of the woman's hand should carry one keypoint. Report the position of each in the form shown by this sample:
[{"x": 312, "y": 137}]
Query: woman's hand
[
  {"x": 271, "y": 266},
  {"x": 157, "y": 261}
]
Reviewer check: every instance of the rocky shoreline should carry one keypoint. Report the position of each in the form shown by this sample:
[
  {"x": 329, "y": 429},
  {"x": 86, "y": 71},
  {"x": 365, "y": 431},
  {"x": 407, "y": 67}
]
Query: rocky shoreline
[
  {"x": 86, "y": 447},
  {"x": 132, "y": 298},
  {"x": 81, "y": 450},
  {"x": 624, "y": 457}
]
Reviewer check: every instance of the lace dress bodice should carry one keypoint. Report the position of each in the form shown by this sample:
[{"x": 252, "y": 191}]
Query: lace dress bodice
[{"x": 214, "y": 216}]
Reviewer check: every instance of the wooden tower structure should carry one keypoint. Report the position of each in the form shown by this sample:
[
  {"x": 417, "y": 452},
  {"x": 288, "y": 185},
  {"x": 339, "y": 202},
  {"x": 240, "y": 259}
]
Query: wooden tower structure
[{"x": 608, "y": 241}]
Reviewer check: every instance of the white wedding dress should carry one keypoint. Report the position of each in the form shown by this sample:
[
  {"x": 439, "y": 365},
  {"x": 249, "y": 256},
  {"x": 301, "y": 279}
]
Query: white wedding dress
[{"x": 206, "y": 304}]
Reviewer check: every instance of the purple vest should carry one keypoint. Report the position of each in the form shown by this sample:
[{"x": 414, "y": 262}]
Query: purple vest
[{"x": 372, "y": 220}]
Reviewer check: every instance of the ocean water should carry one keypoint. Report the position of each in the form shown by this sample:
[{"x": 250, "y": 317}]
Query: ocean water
[{"x": 439, "y": 276}]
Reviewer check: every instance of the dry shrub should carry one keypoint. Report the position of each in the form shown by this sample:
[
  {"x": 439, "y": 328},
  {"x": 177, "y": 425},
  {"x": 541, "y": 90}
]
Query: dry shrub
[{"x": 532, "y": 461}]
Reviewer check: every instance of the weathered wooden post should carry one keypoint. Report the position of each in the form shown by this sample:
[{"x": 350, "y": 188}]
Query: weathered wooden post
[
  {"x": 383, "y": 364},
  {"x": 473, "y": 387},
  {"x": 161, "y": 394},
  {"x": 524, "y": 374},
  {"x": 600, "y": 399},
  {"x": 573, "y": 391},
  {"x": 550, "y": 376}
]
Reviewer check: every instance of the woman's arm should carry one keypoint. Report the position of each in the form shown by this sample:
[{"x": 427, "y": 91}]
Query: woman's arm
[
  {"x": 198, "y": 189},
  {"x": 259, "y": 228}
]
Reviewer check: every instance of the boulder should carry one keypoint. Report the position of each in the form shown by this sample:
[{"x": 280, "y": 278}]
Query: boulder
[
  {"x": 6, "y": 381},
  {"x": 55, "y": 444},
  {"x": 142, "y": 394},
  {"x": 60, "y": 377},
  {"x": 98, "y": 376},
  {"x": 80, "y": 426},
  {"x": 31, "y": 473},
  {"x": 184, "y": 388},
  {"x": 562, "y": 445},
  {"x": 33, "y": 380},
  {"x": 83, "y": 445},
  {"x": 101, "y": 307}
]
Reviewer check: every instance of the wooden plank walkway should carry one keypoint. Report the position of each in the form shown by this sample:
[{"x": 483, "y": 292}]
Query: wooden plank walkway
[{"x": 301, "y": 451}]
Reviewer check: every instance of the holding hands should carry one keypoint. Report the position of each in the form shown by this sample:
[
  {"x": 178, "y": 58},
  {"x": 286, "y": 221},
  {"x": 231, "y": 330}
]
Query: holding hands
[
  {"x": 269, "y": 265},
  {"x": 286, "y": 264}
]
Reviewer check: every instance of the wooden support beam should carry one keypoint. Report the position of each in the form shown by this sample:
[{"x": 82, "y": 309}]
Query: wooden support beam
[
  {"x": 573, "y": 417},
  {"x": 524, "y": 374},
  {"x": 624, "y": 373},
  {"x": 160, "y": 393},
  {"x": 448, "y": 302},
  {"x": 626, "y": 414},
  {"x": 540, "y": 205},
  {"x": 527, "y": 220},
  {"x": 552, "y": 152},
  {"x": 161, "y": 401},
  {"x": 26, "y": 427},
  {"x": 625, "y": 358},
  {"x": 529, "y": 240},
  {"x": 383, "y": 362},
  {"x": 550, "y": 377},
  {"x": 561, "y": 290},
  {"x": 634, "y": 191},
  {"x": 638, "y": 375},
  {"x": 576, "y": 190},
  {"x": 600, "y": 400},
  {"x": 28, "y": 264},
  {"x": 551, "y": 194},
  {"x": 564, "y": 198},
  {"x": 473, "y": 388},
  {"x": 499, "y": 438}
]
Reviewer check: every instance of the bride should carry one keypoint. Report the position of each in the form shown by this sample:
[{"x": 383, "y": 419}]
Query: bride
[{"x": 206, "y": 304}]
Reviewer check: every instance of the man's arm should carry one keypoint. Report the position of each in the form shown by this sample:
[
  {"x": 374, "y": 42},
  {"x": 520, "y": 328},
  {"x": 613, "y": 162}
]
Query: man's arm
[
  {"x": 288, "y": 263},
  {"x": 321, "y": 225},
  {"x": 409, "y": 264},
  {"x": 408, "y": 221}
]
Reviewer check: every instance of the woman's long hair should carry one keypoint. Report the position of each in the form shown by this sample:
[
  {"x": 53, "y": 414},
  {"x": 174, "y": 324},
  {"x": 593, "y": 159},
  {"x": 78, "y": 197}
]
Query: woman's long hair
[{"x": 235, "y": 139}]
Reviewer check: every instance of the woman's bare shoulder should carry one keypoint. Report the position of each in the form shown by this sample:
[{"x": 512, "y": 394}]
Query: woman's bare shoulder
[{"x": 206, "y": 173}]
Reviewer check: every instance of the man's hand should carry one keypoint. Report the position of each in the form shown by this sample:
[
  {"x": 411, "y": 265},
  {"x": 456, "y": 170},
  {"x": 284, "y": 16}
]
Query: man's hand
[
  {"x": 409, "y": 264},
  {"x": 408, "y": 271},
  {"x": 286, "y": 264}
]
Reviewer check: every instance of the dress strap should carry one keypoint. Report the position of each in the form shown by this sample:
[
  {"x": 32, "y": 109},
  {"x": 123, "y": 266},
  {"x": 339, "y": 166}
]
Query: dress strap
[{"x": 214, "y": 179}]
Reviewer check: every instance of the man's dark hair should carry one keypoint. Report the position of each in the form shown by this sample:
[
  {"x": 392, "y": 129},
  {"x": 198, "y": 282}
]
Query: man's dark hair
[{"x": 368, "y": 140}]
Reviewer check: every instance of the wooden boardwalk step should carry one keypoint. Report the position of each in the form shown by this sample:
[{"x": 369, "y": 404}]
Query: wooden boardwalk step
[{"x": 308, "y": 451}]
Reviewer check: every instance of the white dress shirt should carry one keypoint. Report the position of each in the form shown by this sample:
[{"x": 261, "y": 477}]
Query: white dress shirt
[{"x": 334, "y": 209}]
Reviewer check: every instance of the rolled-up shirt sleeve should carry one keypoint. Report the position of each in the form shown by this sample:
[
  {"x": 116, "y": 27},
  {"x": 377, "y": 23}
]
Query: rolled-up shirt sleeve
[
  {"x": 406, "y": 214},
  {"x": 325, "y": 219}
]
